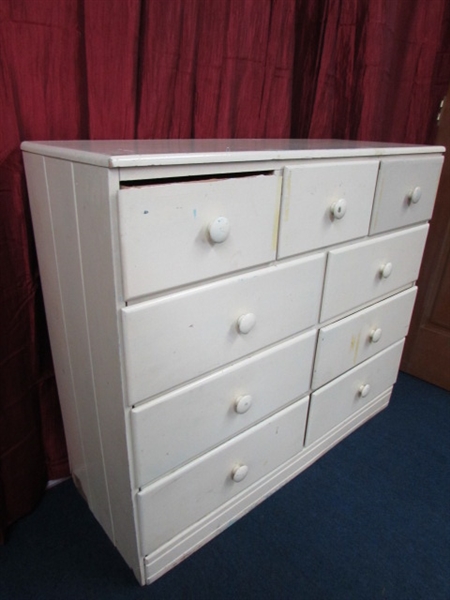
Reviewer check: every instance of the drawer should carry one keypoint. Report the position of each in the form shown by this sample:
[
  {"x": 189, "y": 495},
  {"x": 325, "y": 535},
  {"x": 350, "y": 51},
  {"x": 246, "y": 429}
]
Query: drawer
[
  {"x": 175, "y": 428},
  {"x": 395, "y": 203},
  {"x": 167, "y": 230},
  {"x": 175, "y": 338},
  {"x": 364, "y": 271},
  {"x": 324, "y": 203},
  {"x": 350, "y": 341},
  {"x": 342, "y": 397},
  {"x": 208, "y": 481}
]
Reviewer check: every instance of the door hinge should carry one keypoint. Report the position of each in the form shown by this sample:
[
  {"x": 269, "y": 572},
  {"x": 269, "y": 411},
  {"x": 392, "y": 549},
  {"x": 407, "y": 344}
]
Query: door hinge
[{"x": 441, "y": 107}]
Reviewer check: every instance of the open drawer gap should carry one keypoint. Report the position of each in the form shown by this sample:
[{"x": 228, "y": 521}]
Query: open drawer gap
[{"x": 190, "y": 179}]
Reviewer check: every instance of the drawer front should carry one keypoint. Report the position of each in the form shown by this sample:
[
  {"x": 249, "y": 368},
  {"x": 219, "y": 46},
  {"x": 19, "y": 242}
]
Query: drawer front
[
  {"x": 167, "y": 231},
  {"x": 405, "y": 193},
  {"x": 208, "y": 481},
  {"x": 185, "y": 423},
  {"x": 325, "y": 203},
  {"x": 176, "y": 338},
  {"x": 364, "y": 271},
  {"x": 350, "y": 341},
  {"x": 338, "y": 400}
]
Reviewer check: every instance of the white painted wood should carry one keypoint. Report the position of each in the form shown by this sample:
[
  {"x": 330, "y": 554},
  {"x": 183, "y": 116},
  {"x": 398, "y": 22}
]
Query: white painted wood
[
  {"x": 353, "y": 275},
  {"x": 96, "y": 194},
  {"x": 177, "y": 427},
  {"x": 85, "y": 341},
  {"x": 398, "y": 178},
  {"x": 143, "y": 153},
  {"x": 187, "y": 209},
  {"x": 61, "y": 190},
  {"x": 348, "y": 342},
  {"x": 333, "y": 403},
  {"x": 204, "y": 377},
  {"x": 207, "y": 481},
  {"x": 310, "y": 192},
  {"x": 167, "y": 556},
  {"x": 196, "y": 330},
  {"x": 44, "y": 235}
]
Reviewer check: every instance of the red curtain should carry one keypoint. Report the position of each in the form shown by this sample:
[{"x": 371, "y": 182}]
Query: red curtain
[{"x": 354, "y": 69}]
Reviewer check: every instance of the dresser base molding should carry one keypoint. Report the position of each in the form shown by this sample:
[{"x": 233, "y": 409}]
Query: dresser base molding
[{"x": 193, "y": 538}]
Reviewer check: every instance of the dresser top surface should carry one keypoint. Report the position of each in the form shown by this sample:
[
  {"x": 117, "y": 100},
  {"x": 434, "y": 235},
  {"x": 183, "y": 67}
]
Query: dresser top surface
[{"x": 145, "y": 153}]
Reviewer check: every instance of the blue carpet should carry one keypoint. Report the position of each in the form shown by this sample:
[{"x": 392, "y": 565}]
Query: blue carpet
[{"x": 369, "y": 520}]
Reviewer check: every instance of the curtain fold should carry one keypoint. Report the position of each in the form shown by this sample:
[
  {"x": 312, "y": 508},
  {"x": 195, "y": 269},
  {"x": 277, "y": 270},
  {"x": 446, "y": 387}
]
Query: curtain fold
[
  {"x": 111, "y": 44},
  {"x": 377, "y": 71},
  {"x": 216, "y": 69},
  {"x": 117, "y": 69}
]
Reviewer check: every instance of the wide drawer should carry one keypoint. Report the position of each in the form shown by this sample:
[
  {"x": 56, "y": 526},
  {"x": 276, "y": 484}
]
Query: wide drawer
[
  {"x": 216, "y": 477},
  {"x": 167, "y": 231},
  {"x": 348, "y": 342},
  {"x": 175, "y": 428},
  {"x": 339, "y": 399},
  {"x": 324, "y": 203},
  {"x": 406, "y": 191},
  {"x": 176, "y": 338},
  {"x": 364, "y": 271}
]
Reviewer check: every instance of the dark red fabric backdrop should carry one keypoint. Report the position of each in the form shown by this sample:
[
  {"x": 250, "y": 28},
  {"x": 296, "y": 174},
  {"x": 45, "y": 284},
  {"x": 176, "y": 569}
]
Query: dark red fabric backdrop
[{"x": 359, "y": 69}]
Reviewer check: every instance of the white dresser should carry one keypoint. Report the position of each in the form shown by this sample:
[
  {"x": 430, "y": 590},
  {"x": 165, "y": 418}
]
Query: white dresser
[{"x": 221, "y": 313}]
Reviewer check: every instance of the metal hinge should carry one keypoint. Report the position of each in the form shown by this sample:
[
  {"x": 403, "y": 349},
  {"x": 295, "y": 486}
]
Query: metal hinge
[{"x": 441, "y": 106}]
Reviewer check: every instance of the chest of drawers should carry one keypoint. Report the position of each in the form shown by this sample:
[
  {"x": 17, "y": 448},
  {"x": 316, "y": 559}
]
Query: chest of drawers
[{"x": 221, "y": 313}]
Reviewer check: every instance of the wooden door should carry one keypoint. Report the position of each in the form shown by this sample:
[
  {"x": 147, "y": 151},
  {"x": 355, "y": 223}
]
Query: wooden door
[{"x": 427, "y": 350}]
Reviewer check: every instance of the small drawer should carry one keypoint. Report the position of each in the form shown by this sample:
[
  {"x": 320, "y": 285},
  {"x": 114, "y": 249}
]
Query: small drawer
[
  {"x": 182, "y": 232},
  {"x": 324, "y": 203},
  {"x": 406, "y": 191},
  {"x": 175, "y": 338},
  {"x": 187, "y": 422},
  {"x": 218, "y": 476},
  {"x": 365, "y": 271},
  {"x": 333, "y": 403},
  {"x": 350, "y": 341}
]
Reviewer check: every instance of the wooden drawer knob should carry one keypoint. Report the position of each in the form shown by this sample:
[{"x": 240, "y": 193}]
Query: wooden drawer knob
[
  {"x": 338, "y": 208},
  {"x": 243, "y": 403},
  {"x": 385, "y": 270},
  {"x": 246, "y": 323},
  {"x": 239, "y": 473},
  {"x": 364, "y": 390},
  {"x": 375, "y": 335},
  {"x": 415, "y": 195},
  {"x": 219, "y": 230}
]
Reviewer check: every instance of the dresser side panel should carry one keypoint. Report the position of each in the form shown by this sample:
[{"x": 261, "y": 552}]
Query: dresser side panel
[
  {"x": 61, "y": 187},
  {"x": 96, "y": 198},
  {"x": 49, "y": 268}
]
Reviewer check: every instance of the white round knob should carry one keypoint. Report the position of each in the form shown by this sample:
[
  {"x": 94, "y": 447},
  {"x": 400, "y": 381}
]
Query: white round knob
[
  {"x": 375, "y": 335},
  {"x": 415, "y": 195},
  {"x": 243, "y": 403},
  {"x": 219, "y": 230},
  {"x": 338, "y": 208},
  {"x": 246, "y": 322},
  {"x": 364, "y": 390},
  {"x": 386, "y": 270},
  {"x": 239, "y": 473}
]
